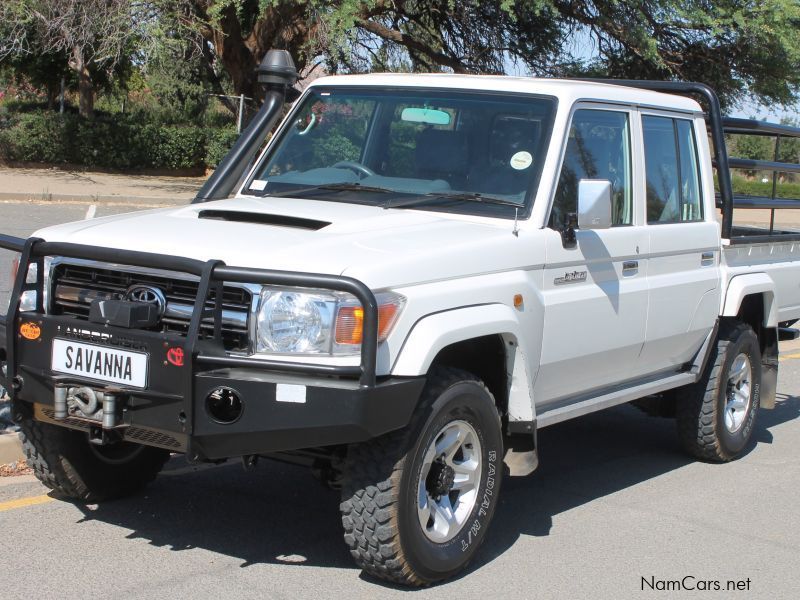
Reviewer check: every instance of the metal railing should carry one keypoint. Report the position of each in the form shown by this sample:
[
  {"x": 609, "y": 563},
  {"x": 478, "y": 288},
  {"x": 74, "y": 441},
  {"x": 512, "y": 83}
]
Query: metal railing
[{"x": 764, "y": 129}]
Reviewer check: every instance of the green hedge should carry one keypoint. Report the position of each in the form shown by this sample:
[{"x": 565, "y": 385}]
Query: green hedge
[
  {"x": 756, "y": 187},
  {"x": 218, "y": 142},
  {"x": 121, "y": 142}
]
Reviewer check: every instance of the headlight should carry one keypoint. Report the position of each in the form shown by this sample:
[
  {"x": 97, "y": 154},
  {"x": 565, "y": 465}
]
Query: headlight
[
  {"x": 295, "y": 322},
  {"x": 312, "y": 322}
]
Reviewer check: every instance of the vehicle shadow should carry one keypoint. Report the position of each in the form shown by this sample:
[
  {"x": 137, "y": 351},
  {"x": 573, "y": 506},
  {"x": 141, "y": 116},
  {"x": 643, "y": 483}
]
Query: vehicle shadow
[
  {"x": 588, "y": 458},
  {"x": 279, "y": 514}
]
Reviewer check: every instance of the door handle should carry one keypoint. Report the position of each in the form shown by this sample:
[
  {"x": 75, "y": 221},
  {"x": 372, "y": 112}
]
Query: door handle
[
  {"x": 630, "y": 266},
  {"x": 706, "y": 259}
]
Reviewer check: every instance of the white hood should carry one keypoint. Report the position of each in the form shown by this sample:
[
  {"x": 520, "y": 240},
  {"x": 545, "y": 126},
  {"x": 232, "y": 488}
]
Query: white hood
[{"x": 383, "y": 248}]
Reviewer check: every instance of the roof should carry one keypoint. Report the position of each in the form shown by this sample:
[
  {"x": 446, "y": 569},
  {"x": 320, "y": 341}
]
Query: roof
[{"x": 568, "y": 90}]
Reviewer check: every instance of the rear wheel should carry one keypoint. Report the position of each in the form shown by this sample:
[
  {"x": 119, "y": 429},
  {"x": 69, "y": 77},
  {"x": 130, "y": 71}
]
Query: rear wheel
[
  {"x": 716, "y": 416},
  {"x": 417, "y": 503},
  {"x": 65, "y": 461}
]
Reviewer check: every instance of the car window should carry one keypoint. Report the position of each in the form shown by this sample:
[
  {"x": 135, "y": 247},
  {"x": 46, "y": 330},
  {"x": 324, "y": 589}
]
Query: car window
[
  {"x": 404, "y": 136},
  {"x": 598, "y": 147},
  {"x": 455, "y": 151},
  {"x": 673, "y": 178},
  {"x": 323, "y": 133}
]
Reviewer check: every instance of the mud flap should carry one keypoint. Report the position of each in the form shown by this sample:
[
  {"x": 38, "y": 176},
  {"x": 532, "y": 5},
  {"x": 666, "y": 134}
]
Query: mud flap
[{"x": 769, "y": 367}]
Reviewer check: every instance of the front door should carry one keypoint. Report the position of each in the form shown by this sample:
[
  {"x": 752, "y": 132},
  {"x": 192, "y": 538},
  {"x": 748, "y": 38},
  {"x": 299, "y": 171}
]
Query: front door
[{"x": 595, "y": 294}]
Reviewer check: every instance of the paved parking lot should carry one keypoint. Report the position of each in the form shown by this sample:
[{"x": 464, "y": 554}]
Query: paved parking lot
[
  {"x": 614, "y": 501},
  {"x": 615, "y": 505}
]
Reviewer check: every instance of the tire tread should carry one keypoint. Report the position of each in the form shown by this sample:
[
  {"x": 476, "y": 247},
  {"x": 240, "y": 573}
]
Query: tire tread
[
  {"x": 44, "y": 445},
  {"x": 697, "y": 407},
  {"x": 370, "y": 490}
]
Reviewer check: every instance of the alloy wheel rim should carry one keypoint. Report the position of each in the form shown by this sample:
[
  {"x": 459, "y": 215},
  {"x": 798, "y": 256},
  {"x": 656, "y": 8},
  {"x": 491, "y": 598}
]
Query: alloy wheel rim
[
  {"x": 447, "y": 490},
  {"x": 739, "y": 393}
]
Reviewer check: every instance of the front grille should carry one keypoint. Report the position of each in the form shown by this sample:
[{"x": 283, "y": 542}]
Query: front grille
[{"x": 75, "y": 287}]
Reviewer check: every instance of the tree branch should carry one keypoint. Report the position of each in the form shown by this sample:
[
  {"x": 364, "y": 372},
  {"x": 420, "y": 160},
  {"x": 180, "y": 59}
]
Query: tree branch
[{"x": 398, "y": 37}]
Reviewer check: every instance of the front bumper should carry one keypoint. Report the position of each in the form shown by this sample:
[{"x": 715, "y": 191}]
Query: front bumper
[
  {"x": 328, "y": 406},
  {"x": 332, "y": 411}
]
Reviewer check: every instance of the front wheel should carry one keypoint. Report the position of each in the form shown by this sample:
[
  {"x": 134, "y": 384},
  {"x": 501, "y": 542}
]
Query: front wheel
[
  {"x": 65, "y": 461},
  {"x": 716, "y": 416},
  {"x": 416, "y": 503}
]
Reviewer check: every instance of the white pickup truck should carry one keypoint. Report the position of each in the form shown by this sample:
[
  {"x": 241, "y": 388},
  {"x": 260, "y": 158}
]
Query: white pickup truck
[{"x": 415, "y": 275}]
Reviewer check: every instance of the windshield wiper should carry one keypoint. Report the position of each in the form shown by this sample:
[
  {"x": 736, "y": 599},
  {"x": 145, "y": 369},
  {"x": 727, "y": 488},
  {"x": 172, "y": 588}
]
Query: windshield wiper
[
  {"x": 466, "y": 196},
  {"x": 336, "y": 187}
]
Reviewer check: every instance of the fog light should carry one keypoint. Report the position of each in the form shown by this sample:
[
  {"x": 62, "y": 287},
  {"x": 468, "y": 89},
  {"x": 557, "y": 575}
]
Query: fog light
[{"x": 224, "y": 405}]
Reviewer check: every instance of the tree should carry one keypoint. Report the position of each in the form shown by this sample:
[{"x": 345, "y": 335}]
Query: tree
[
  {"x": 789, "y": 150},
  {"x": 741, "y": 47},
  {"x": 42, "y": 71},
  {"x": 94, "y": 35},
  {"x": 738, "y": 46}
]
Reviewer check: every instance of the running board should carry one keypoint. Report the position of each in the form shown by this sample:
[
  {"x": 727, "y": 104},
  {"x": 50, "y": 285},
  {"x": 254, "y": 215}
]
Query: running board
[{"x": 584, "y": 407}]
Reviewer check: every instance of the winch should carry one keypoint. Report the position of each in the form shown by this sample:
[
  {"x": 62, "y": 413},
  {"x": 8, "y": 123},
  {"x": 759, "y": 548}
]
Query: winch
[{"x": 87, "y": 403}]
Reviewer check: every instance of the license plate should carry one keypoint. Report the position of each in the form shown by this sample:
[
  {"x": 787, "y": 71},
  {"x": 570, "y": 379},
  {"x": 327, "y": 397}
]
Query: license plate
[{"x": 100, "y": 363}]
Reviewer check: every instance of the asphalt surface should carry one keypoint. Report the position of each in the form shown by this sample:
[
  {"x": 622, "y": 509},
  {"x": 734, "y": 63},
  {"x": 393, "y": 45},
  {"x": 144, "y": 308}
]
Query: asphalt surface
[{"x": 614, "y": 502}]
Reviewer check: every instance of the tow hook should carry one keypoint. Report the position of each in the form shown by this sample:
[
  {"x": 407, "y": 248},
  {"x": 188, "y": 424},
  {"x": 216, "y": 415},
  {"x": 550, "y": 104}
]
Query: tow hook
[{"x": 102, "y": 437}]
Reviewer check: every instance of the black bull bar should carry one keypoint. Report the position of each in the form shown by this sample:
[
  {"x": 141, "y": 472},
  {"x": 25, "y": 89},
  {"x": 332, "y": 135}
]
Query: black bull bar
[{"x": 201, "y": 355}]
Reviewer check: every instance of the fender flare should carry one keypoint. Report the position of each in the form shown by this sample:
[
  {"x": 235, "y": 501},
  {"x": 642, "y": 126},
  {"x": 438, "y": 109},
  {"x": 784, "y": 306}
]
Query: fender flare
[
  {"x": 741, "y": 286},
  {"x": 431, "y": 334}
]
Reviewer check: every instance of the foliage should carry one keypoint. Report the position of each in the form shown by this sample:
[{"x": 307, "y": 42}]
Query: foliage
[
  {"x": 119, "y": 142},
  {"x": 37, "y": 137},
  {"x": 175, "y": 146},
  {"x": 763, "y": 148},
  {"x": 738, "y": 47},
  {"x": 94, "y": 38},
  {"x": 756, "y": 187},
  {"x": 789, "y": 150},
  {"x": 754, "y": 147},
  {"x": 218, "y": 143},
  {"x": 164, "y": 58}
]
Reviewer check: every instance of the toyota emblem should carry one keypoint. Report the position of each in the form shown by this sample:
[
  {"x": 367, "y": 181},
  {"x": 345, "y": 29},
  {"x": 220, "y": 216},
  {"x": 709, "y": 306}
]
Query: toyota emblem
[{"x": 147, "y": 295}]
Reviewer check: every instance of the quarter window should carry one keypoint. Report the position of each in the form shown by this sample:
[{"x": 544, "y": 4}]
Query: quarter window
[{"x": 673, "y": 178}]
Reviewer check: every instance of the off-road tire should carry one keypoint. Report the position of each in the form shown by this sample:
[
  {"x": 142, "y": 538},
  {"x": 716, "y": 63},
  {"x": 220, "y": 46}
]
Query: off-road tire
[
  {"x": 381, "y": 478},
  {"x": 701, "y": 406},
  {"x": 63, "y": 460}
]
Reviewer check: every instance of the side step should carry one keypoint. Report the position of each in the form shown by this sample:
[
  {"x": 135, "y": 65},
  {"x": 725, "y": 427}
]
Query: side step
[
  {"x": 786, "y": 334},
  {"x": 579, "y": 407}
]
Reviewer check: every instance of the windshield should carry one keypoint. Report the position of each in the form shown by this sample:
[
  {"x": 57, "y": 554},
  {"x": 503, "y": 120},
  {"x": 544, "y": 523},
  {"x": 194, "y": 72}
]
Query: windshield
[{"x": 466, "y": 152}]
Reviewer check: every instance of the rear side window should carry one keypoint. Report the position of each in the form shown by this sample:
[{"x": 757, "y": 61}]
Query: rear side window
[
  {"x": 673, "y": 175},
  {"x": 598, "y": 148}
]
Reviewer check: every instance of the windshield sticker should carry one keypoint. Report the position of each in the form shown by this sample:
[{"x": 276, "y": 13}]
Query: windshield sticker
[
  {"x": 521, "y": 160},
  {"x": 258, "y": 185}
]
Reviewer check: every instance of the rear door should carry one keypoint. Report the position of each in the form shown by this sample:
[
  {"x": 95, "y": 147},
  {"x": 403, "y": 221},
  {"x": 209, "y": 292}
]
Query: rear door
[
  {"x": 683, "y": 276},
  {"x": 595, "y": 294}
]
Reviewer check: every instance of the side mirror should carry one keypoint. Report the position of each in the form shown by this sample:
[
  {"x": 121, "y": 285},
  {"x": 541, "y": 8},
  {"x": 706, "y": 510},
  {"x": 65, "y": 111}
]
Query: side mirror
[{"x": 594, "y": 204}]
